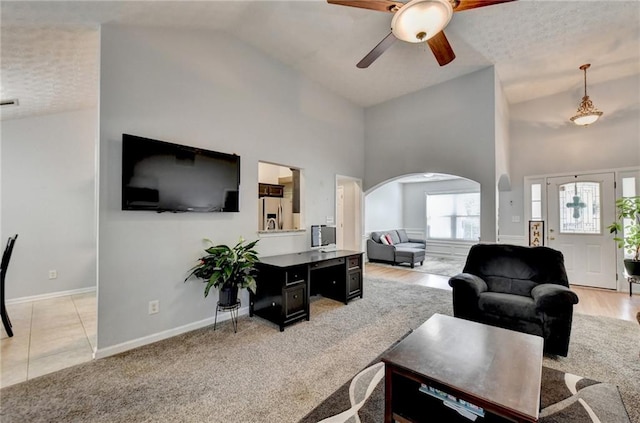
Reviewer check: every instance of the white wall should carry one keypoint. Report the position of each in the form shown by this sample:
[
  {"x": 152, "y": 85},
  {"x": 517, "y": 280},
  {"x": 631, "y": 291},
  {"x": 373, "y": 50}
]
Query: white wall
[
  {"x": 48, "y": 199},
  {"x": 383, "y": 208},
  {"x": 544, "y": 141},
  {"x": 448, "y": 128},
  {"x": 209, "y": 90}
]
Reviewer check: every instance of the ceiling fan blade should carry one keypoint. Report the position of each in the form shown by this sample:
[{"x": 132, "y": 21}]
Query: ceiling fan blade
[
  {"x": 377, "y": 51},
  {"x": 379, "y": 5},
  {"x": 441, "y": 48},
  {"x": 474, "y": 4}
]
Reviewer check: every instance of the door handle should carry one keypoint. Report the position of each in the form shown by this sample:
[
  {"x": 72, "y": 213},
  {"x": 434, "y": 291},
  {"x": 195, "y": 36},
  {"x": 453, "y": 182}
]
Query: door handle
[{"x": 551, "y": 238}]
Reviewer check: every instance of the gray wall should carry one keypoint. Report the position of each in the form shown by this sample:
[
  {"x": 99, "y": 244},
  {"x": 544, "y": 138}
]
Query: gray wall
[
  {"x": 48, "y": 199},
  {"x": 544, "y": 141},
  {"x": 449, "y": 128},
  {"x": 209, "y": 90},
  {"x": 383, "y": 208}
]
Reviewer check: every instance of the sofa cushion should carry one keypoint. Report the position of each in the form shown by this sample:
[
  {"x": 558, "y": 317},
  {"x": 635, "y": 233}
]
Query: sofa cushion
[
  {"x": 410, "y": 245},
  {"x": 510, "y": 285},
  {"x": 508, "y": 305},
  {"x": 376, "y": 236},
  {"x": 402, "y": 234},
  {"x": 395, "y": 239}
]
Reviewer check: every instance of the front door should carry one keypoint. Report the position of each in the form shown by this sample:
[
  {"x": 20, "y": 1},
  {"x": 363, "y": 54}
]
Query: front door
[{"x": 580, "y": 207}]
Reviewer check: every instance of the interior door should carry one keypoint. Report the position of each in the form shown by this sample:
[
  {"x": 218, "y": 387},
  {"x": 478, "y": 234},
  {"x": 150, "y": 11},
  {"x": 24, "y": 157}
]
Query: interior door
[{"x": 580, "y": 207}]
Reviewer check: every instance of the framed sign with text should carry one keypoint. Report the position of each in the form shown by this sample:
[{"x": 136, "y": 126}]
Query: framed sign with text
[{"x": 536, "y": 233}]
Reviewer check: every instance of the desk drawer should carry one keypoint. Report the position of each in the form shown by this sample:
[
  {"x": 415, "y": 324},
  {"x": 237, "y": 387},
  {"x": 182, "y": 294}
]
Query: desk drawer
[
  {"x": 328, "y": 263},
  {"x": 295, "y": 300},
  {"x": 296, "y": 274},
  {"x": 354, "y": 284},
  {"x": 354, "y": 262}
]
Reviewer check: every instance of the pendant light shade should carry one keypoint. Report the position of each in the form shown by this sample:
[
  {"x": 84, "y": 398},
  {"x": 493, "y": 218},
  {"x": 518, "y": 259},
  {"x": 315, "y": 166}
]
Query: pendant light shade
[{"x": 587, "y": 113}]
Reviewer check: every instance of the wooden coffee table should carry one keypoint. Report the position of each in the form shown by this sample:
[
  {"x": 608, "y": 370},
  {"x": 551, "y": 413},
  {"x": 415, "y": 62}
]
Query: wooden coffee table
[{"x": 449, "y": 367}]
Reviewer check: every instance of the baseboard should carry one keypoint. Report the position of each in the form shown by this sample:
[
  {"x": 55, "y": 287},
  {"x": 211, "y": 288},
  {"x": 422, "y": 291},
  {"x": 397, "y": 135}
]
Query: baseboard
[
  {"x": 150, "y": 339},
  {"x": 51, "y": 295}
]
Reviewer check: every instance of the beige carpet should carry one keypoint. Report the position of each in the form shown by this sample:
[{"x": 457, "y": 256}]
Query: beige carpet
[{"x": 263, "y": 375}]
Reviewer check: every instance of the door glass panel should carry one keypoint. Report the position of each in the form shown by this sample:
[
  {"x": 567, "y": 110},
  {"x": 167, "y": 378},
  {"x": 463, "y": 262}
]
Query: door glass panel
[{"x": 579, "y": 208}]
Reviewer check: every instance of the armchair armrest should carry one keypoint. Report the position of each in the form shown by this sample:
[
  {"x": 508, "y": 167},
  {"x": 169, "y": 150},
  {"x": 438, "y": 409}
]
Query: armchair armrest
[
  {"x": 549, "y": 295},
  {"x": 469, "y": 282}
]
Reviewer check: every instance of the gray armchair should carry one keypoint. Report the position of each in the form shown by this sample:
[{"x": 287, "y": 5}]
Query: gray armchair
[{"x": 519, "y": 288}]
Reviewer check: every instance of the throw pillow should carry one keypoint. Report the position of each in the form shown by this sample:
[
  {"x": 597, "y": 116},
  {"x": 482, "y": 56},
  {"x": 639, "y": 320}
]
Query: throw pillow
[
  {"x": 389, "y": 239},
  {"x": 384, "y": 239},
  {"x": 402, "y": 234}
]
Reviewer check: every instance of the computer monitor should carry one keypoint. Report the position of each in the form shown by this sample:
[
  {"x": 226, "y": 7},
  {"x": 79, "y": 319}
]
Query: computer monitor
[{"x": 322, "y": 236}]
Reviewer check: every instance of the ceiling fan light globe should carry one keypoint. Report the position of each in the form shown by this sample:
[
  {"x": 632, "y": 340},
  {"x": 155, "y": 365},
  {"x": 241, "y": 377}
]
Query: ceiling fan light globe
[
  {"x": 420, "y": 20},
  {"x": 586, "y": 119}
]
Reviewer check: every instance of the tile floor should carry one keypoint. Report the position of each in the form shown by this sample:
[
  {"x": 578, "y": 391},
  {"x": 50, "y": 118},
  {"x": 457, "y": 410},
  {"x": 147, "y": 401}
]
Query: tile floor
[{"x": 49, "y": 335}]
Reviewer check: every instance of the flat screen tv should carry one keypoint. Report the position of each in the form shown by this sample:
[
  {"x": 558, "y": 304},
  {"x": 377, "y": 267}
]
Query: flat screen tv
[{"x": 162, "y": 176}]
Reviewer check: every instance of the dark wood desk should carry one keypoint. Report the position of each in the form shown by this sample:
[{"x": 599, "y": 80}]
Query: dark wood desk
[
  {"x": 496, "y": 369},
  {"x": 285, "y": 283}
]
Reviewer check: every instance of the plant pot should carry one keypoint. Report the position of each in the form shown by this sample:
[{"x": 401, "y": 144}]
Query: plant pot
[
  {"x": 632, "y": 267},
  {"x": 228, "y": 296}
]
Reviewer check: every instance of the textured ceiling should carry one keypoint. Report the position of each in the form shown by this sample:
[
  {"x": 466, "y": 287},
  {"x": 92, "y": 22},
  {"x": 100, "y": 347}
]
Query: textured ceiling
[{"x": 49, "y": 50}]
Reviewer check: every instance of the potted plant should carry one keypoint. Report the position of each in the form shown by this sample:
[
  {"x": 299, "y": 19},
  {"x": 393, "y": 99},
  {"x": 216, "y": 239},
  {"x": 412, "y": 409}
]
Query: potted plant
[
  {"x": 628, "y": 208},
  {"x": 228, "y": 269}
]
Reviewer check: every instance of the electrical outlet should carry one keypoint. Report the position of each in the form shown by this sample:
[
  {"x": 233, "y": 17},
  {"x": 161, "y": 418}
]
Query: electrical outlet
[
  {"x": 53, "y": 274},
  {"x": 154, "y": 306}
]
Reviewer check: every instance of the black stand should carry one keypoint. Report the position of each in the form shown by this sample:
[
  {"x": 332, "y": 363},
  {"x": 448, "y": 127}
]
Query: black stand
[
  {"x": 632, "y": 279},
  {"x": 233, "y": 310}
]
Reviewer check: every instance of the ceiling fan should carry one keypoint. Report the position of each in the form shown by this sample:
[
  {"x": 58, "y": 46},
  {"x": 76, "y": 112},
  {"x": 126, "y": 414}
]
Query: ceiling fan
[{"x": 415, "y": 22}]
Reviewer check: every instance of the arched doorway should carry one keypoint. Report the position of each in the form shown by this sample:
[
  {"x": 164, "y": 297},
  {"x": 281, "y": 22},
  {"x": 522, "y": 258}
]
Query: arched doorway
[{"x": 440, "y": 208}]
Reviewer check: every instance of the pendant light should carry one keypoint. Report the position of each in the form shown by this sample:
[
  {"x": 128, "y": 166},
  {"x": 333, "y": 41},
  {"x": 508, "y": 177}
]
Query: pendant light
[{"x": 587, "y": 112}]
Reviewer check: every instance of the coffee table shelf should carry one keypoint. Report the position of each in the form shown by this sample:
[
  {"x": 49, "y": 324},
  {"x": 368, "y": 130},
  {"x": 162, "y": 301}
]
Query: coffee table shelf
[{"x": 471, "y": 365}]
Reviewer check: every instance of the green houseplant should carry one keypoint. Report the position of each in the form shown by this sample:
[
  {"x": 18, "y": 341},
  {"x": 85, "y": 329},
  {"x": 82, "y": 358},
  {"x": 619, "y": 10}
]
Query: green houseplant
[
  {"x": 228, "y": 269},
  {"x": 628, "y": 235}
]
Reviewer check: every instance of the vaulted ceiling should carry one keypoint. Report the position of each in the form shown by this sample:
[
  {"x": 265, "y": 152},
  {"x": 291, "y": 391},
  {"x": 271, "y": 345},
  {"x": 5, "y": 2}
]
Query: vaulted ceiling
[{"x": 50, "y": 50}]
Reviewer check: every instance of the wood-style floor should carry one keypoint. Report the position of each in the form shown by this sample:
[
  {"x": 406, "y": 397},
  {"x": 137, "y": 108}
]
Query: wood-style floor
[{"x": 597, "y": 302}]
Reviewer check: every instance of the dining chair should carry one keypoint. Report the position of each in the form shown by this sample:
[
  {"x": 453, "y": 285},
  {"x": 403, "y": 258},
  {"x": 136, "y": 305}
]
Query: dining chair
[{"x": 6, "y": 256}]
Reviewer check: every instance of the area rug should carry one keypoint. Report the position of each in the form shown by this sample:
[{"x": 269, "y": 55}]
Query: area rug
[
  {"x": 565, "y": 398},
  {"x": 444, "y": 266}
]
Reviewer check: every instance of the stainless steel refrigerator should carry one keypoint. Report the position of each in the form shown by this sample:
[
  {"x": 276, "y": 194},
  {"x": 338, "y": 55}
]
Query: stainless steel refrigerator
[{"x": 274, "y": 214}]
